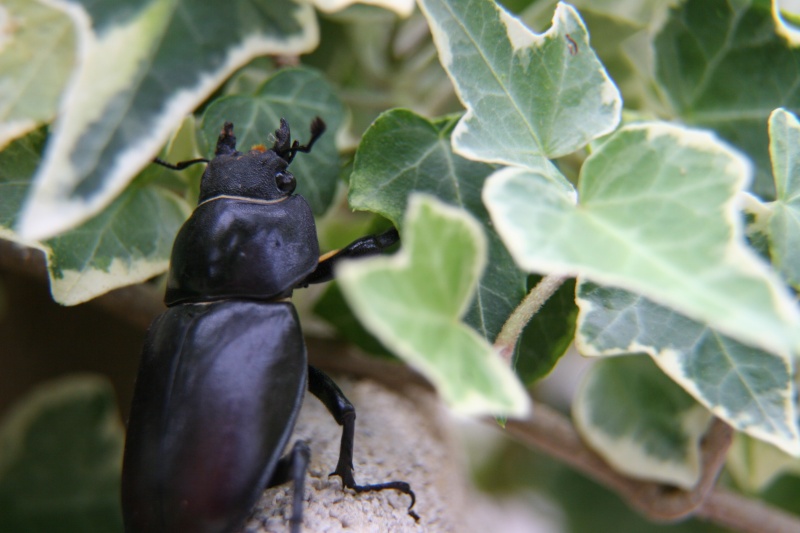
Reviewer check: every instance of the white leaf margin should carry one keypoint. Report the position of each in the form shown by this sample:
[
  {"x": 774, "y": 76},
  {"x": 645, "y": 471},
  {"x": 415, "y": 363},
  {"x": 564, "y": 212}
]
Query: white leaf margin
[
  {"x": 627, "y": 456},
  {"x": 403, "y": 8},
  {"x": 737, "y": 255},
  {"x": 516, "y": 402},
  {"x": 48, "y": 211}
]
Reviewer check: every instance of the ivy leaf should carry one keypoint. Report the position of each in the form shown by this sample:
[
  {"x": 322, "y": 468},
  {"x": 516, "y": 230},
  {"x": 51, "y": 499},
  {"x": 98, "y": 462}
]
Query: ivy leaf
[
  {"x": 785, "y": 14},
  {"x": 413, "y": 302},
  {"x": 128, "y": 242},
  {"x": 403, "y": 152},
  {"x": 658, "y": 216},
  {"x": 298, "y": 95},
  {"x": 35, "y": 63},
  {"x": 332, "y": 307},
  {"x": 528, "y": 96},
  {"x": 640, "y": 422},
  {"x": 548, "y": 335},
  {"x": 752, "y": 390},
  {"x": 784, "y": 221},
  {"x": 709, "y": 56},
  {"x": 141, "y": 68},
  {"x": 60, "y": 458},
  {"x": 754, "y": 464}
]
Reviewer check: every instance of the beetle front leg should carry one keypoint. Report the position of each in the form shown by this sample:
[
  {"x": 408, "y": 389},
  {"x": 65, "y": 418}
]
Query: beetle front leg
[
  {"x": 369, "y": 245},
  {"x": 324, "y": 388}
]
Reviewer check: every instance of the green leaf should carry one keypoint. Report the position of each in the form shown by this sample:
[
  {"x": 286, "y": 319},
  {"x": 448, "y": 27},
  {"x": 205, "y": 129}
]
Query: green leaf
[
  {"x": 548, "y": 335},
  {"x": 37, "y": 49},
  {"x": 710, "y": 55},
  {"x": 784, "y": 222},
  {"x": 752, "y": 390},
  {"x": 755, "y": 464},
  {"x": 298, "y": 95},
  {"x": 640, "y": 422},
  {"x": 403, "y": 152},
  {"x": 60, "y": 459},
  {"x": 332, "y": 307},
  {"x": 141, "y": 68},
  {"x": 128, "y": 242},
  {"x": 658, "y": 216},
  {"x": 528, "y": 96},
  {"x": 413, "y": 302}
]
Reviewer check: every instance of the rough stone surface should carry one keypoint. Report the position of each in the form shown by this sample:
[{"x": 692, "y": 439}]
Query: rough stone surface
[{"x": 399, "y": 436}]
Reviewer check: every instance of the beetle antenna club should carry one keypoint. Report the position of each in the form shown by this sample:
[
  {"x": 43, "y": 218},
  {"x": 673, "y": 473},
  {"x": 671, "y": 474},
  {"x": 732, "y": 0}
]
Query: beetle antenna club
[
  {"x": 224, "y": 369},
  {"x": 282, "y": 145}
]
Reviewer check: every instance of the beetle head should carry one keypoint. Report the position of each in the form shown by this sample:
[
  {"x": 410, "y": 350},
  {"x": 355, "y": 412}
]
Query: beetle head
[{"x": 260, "y": 173}]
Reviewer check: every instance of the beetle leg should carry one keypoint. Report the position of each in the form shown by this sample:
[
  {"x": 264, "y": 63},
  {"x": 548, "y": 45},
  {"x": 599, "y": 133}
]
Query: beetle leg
[
  {"x": 293, "y": 468},
  {"x": 324, "y": 388},
  {"x": 369, "y": 245}
]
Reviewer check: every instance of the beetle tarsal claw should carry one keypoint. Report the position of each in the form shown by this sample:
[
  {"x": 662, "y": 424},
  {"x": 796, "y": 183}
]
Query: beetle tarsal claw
[{"x": 400, "y": 486}]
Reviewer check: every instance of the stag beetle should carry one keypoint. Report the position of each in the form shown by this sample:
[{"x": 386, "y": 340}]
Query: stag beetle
[{"x": 224, "y": 368}]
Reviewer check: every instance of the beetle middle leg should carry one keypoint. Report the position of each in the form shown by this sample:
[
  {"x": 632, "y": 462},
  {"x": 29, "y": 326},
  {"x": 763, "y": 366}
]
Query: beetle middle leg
[
  {"x": 324, "y": 388},
  {"x": 293, "y": 467}
]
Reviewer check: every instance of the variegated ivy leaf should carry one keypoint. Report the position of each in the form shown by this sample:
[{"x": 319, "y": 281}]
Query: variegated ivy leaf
[
  {"x": 528, "y": 97},
  {"x": 752, "y": 390},
  {"x": 640, "y": 422},
  {"x": 657, "y": 215},
  {"x": 784, "y": 221},
  {"x": 37, "y": 51},
  {"x": 60, "y": 458},
  {"x": 402, "y": 153},
  {"x": 128, "y": 242},
  {"x": 786, "y": 15},
  {"x": 298, "y": 95},
  {"x": 754, "y": 464},
  {"x": 413, "y": 302},
  {"x": 141, "y": 68}
]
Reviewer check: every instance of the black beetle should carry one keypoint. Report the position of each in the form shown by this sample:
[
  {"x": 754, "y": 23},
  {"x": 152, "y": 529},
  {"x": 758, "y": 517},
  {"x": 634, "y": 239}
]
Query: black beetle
[{"x": 224, "y": 369}]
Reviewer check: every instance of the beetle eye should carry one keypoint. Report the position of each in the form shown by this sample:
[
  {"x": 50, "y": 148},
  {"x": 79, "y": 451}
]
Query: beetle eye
[{"x": 285, "y": 182}]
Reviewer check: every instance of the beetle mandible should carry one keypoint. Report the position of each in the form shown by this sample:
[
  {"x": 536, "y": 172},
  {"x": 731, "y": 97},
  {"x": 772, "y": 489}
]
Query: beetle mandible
[{"x": 224, "y": 368}]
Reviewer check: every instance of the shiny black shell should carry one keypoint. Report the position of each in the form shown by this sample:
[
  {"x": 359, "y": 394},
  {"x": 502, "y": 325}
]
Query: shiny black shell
[
  {"x": 243, "y": 248},
  {"x": 217, "y": 395}
]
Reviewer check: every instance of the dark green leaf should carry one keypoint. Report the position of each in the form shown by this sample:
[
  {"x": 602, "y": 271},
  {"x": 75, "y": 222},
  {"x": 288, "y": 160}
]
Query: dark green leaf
[
  {"x": 548, "y": 335},
  {"x": 403, "y": 153},
  {"x": 60, "y": 459},
  {"x": 723, "y": 66}
]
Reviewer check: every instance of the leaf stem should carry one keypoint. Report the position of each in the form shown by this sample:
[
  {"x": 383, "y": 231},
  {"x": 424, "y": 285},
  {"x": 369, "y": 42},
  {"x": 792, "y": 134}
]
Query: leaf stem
[{"x": 509, "y": 335}]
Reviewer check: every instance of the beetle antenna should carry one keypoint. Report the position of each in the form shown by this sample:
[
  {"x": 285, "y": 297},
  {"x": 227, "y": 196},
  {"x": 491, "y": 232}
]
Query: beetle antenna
[
  {"x": 317, "y": 129},
  {"x": 226, "y": 143},
  {"x": 181, "y": 165},
  {"x": 287, "y": 151}
]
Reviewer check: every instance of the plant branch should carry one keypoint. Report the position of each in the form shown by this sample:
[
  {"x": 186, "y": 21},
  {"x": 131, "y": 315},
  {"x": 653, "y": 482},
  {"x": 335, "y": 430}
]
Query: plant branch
[
  {"x": 509, "y": 335},
  {"x": 554, "y": 434},
  {"x": 735, "y": 511},
  {"x": 137, "y": 305}
]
